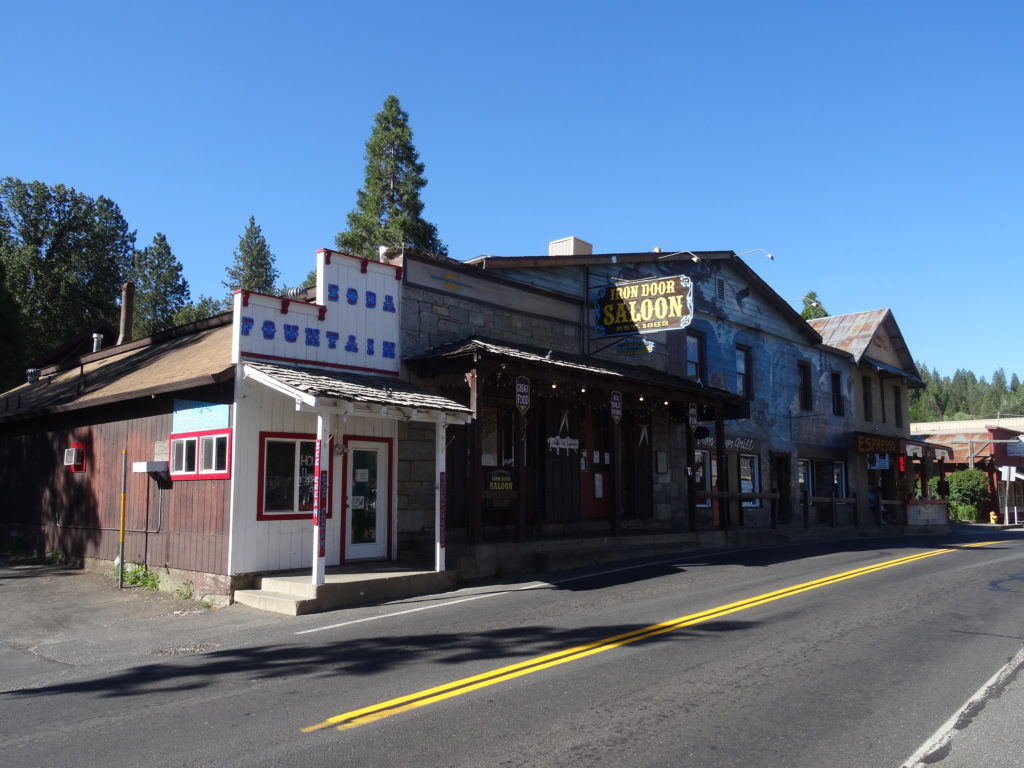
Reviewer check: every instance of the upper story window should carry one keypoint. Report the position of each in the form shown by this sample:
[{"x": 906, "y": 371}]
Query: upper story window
[
  {"x": 865, "y": 386},
  {"x": 694, "y": 355},
  {"x": 897, "y": 406},
  {"x": 743, "y": 382},
  {"x": 201, "y": 455},
  {"x": 838, "y": 407},
  {"x": 804, "y": 378}
]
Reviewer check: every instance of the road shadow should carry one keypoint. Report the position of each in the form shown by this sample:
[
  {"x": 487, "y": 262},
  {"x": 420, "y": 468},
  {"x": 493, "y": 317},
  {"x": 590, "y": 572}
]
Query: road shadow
[{"x": 363, "y": 657}]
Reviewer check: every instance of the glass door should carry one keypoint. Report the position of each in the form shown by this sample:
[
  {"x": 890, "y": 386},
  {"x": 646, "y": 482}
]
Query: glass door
[{"x": 366, "y": 501}]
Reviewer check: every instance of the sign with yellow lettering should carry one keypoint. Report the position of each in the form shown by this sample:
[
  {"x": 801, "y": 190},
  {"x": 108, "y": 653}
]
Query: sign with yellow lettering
[{"x": 643, "y": 306}]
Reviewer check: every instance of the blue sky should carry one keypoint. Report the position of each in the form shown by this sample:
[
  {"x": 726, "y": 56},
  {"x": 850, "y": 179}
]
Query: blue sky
[{"x": 874, "y": 147}]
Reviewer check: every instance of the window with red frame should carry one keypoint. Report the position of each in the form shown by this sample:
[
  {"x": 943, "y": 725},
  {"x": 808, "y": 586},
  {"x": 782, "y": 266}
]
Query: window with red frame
[
  {"x": 287, "y": 473},
  {"x": 201, "y": 455}
]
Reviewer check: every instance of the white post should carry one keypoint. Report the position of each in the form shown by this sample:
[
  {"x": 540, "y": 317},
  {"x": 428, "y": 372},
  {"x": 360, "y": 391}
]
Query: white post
[
  {"x": 440, "y": 495},
  {"x": 321, "y": 496}
]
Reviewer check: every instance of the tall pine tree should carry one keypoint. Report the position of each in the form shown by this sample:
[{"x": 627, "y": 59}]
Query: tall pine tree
[
  {"x": 813, "y": 308},
  {"x": 388, "y": 208},
  {"x": 253, "y": 268},
  {"x": 160, "y": 289}
]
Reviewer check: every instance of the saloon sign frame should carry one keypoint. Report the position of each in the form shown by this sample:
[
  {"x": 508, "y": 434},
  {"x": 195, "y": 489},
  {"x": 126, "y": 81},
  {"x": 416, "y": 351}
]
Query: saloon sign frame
[{"x": 643, "y": 306}]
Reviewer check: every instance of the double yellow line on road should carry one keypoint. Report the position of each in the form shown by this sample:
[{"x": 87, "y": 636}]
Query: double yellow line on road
[{"x": 422, "y": 698}]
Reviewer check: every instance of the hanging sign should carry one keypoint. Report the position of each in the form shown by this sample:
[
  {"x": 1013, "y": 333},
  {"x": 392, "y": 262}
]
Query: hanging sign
[
  {"x": 522, "y": 394},
  {"x": 616, "y": 405},
  {"x": 642, "y": 306},
  {"x": 634, "y": 347}
]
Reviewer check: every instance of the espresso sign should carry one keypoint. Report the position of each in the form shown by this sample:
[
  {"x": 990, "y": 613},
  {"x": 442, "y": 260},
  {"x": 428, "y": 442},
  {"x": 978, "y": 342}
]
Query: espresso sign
[{"x": 643, "y": 306}]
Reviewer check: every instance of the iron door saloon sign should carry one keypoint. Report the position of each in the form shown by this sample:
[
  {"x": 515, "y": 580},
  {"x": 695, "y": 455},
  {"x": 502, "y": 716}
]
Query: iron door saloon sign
[{"x": 643, "y": 306}]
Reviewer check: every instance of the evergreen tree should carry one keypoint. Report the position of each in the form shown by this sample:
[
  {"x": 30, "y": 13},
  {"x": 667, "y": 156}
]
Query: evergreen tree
[
  {"x": 65, "y": 256},
  {"x": 813, "y": 308},
  {"x": 204, "y": 307},
  {"x": 160, "y": 290},
  {"x": 388, "y": 208},
  {"x": 253, "y": 268}
]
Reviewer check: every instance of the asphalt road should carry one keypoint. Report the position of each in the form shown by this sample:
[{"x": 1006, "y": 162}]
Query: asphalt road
[{"x": 848, "y": 654}]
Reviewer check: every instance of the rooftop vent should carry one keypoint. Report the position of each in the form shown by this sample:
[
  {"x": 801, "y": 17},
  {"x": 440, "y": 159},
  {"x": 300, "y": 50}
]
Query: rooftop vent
[{"x": 570, "y": 246}]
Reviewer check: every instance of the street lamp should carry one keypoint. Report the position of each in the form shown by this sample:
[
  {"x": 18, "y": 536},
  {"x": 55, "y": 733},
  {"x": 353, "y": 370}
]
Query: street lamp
[{"x": 767, "y": 255}]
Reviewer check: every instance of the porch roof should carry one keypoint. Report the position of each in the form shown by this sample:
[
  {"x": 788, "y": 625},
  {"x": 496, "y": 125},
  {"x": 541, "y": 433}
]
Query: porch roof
[
  {"x": 574, "y": 367},
  {"x": 357, "y": 393}
]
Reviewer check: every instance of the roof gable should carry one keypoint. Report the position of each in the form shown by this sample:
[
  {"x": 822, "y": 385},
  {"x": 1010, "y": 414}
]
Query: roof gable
[{"x": 872, "y": 337}]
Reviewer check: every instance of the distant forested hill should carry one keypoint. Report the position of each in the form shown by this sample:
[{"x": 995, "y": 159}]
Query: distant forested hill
[{"x": 965, "y": 396}]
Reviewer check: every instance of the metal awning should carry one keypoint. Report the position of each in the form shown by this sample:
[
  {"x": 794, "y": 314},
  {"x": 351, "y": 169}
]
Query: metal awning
[
  {"x": 357, "y": 394},
  {"x": 886, "y": 368}
]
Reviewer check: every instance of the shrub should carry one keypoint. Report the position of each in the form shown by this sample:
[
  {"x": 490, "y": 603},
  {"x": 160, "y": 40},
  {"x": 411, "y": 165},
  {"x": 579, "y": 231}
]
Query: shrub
[{"x": 968, "y": 493}]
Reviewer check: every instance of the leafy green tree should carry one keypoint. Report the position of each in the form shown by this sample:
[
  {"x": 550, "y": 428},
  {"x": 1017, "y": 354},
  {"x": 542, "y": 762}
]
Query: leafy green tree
[
  {"x": 65, "y": 256},
  {"x": 11, "y": 338},
  {"x": 388, "y": 208},
  {"x": 160, "y": 289},
  {"x": 253, "y": 268},
  {"x": 813, "y": 308}
]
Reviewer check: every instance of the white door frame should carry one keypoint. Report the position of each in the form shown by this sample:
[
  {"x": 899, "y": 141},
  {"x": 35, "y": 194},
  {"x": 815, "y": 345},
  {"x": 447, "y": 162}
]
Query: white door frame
[{"x": 380, "y": 548}]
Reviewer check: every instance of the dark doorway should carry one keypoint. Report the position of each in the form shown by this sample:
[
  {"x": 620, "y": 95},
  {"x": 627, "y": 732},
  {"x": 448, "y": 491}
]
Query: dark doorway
[{"x": 782, "y": 479}]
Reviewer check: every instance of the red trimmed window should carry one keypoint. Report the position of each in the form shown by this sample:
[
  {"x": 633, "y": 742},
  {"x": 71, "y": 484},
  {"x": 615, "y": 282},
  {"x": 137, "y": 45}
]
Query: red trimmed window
[
  {"x": 286, "y": 475},
  {"x": 201, "y": 455}
]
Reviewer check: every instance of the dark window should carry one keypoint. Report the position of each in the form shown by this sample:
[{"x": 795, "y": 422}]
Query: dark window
[
  {"x": 837, "y": 394},
  {"x": 804, "y": 373},
  {"x": 897, "y": 406},
  {"x": 881, "y": 399},
  {"x": 865, "y": 385},
  {"x": 695, "y": 356},
  {"x": 721, "y": 290},
  {"x": 743, "y": 382}
]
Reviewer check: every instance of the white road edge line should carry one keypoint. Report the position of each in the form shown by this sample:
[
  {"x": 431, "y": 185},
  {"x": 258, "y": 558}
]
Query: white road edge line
[
  {"x": 942, "y": 737},
  {"x": 532, "y": 585}
]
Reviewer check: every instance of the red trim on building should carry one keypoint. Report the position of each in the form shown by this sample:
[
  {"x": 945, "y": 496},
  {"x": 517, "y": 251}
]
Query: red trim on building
[
  {"x": 198, "y": 474},
  {"x": 264, "y": 436},
  {"x": 389, "y": 442}
]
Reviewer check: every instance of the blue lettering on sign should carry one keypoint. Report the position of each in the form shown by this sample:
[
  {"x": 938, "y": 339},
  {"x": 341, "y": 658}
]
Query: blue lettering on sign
[
  {"x": 333, "y": 293},
  {"x": 369, "y": 346},
  {"x": 269, "y": 329},
  {"x": 389, "y": 303},
  {"x": 332, "y": 339},
  {"x": 371, "y": 299},
  {"x": 388, "y": 349},
  {"x": 350, "y": 345},
  {"x": 312, "y": 337},
  {"x": 291, "y": 333},
  {"x": 352, "y": 296},
  {"x": 247, "y": 323}
]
